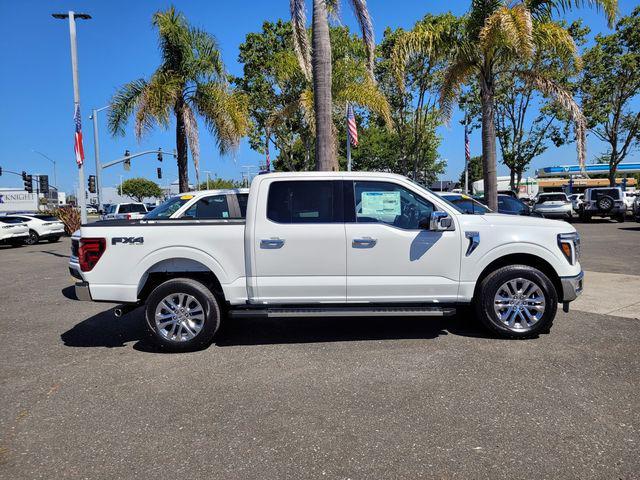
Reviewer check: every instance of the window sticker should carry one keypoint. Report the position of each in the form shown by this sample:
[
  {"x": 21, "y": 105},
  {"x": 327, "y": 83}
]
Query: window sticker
[
  {"x": 225, "y": 214},
  {"x": 381, "y": 203}
]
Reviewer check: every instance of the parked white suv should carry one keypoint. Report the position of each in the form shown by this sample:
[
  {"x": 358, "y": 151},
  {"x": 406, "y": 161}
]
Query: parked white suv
[
  {"x": 13, "y": 231},
  {"x": 41, "y": 227},
  {"x": 553, "y": 204},
  {"x": 125, "y": 211}
]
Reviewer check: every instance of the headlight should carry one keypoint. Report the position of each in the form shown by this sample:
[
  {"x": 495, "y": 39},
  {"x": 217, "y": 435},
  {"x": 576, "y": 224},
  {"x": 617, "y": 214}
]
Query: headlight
[{"x": 569, "y": 244}]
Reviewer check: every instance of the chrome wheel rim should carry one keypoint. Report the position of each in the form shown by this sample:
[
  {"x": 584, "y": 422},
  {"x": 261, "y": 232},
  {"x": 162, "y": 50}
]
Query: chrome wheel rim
[
  {"x": 519, "y": 304},
  {"x": 32, "y": 239},
  {"x": 179, "y": 317}
]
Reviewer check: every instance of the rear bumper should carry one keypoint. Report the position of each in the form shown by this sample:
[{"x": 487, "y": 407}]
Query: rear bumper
[
  {"x": 572, "y": 287},
  {"x": 82, "y": 291}
]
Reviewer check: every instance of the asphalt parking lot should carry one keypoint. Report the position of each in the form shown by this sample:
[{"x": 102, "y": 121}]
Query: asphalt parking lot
[{"x": 85, "y": 395}]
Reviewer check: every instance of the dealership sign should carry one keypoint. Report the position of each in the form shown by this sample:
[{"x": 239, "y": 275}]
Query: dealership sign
[{"x": 17, "y": 200}]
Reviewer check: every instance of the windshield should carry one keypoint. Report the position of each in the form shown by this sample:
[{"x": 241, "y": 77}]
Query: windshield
[
  {"x": 510, "y": 204},
  {"x": 169, "y": 207},
  {"x": 558, "y": 197},
  {"x": 466, "y": 204},
  {"x": 452, "y": 205}
]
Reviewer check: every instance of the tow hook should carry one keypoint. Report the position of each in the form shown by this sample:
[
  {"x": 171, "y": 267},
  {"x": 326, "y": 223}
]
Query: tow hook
[
  {"x": 565, "y": 307},
  {"x": 123, "y": 309}
]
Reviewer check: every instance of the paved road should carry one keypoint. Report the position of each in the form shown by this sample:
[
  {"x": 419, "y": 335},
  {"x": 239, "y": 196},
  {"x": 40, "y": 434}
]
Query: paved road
[{"x": 84, "y": 395}]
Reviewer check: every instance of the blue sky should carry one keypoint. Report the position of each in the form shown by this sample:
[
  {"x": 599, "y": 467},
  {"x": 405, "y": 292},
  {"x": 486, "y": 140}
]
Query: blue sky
[{"x": 119, "y": 44}]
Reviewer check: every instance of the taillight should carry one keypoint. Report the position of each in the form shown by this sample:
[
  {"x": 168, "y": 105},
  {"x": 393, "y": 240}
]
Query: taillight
[
  {"x": 128, "y": 216},
  {"x": 90, "y": 251}
]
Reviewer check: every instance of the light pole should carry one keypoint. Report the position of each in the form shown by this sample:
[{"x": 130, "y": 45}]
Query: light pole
[
  {"x": 208, "y": 173},
  {"x": 76, "y": 96},
  {"x": 96, "y": 153},
  {"x": 55, "y": 178}
]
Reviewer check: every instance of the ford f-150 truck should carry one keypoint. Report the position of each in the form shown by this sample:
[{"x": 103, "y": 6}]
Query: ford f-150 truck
[{"x": 329, "y": 244}]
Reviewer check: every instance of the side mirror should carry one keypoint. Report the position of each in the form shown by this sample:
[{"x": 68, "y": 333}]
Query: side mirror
[{"x": 440, "y": 221}]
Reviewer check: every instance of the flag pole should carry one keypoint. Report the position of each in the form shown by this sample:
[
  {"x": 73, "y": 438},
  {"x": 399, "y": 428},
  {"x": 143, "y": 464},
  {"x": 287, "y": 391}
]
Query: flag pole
[
  {"x": 348, "y": 139},
  {"x": 466, "y": 157}
]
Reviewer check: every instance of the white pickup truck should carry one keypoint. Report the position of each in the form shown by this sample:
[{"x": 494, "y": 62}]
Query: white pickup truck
[{"x": 329, "y": 244}]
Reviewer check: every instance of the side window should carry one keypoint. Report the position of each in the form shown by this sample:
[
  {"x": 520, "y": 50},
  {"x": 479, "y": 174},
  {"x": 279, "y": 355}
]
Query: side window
[
  {"x": 214, "y": 207},
  {"x": 382, "y": 202},
  {"x": 302, "y": 202},
  {"x": 243, "y": 198}
]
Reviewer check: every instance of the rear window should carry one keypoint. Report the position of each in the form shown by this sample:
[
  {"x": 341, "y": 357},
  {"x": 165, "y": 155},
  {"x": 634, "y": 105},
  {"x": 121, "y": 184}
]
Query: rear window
[
  {"x": 605, "y": 192},
  {"x": 301, "y": 202},
  {"x": 243, "y": 198},
  {"x": 46, "y": 218},
  {"x": 132, "y": 208},
  {"x": 215, "y": 207},
  {"x": 558, "y": 197}
]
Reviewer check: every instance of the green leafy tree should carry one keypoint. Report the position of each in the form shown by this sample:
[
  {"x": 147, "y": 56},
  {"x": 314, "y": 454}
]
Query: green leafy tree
[
  {"x": 475, "y": 171},
  {"x": 315, "y": 61},
  {"x": 610, "y": 89},
  {"x": 190, "y": 82},
  {"x": 499, "y": 39},
  {"x": 219, "y": 184},
  {"x": 140, "y": 188}
]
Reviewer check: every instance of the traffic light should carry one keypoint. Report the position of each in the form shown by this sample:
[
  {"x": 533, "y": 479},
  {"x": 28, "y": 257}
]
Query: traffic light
[
  {"x": 127, "y": 162},
  {"x": 24, "y": 176},
  {"x": 0, "y": 171},
  {"x": 159, "y": 172},
  {"x": 92, "y": 184},
  {"x": 159, "y": 155},
  {"x": 28, "y": 182},
  {"x": 44, "y": 184}
]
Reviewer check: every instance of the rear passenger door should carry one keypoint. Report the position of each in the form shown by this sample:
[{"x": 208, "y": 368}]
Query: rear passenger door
[{"x": 299, "y": 242}]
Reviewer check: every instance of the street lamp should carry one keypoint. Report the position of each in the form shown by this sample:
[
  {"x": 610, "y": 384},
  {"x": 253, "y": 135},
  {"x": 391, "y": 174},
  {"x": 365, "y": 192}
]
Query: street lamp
[
  {"x": 71, "y": 15},
  {"x": 55, "y": 178},
  {"x": 96, "y": 153}
]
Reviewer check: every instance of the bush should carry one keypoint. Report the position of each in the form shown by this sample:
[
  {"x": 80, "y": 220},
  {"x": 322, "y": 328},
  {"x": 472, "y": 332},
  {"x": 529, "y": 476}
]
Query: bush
[{"x": 70, "y": 216}]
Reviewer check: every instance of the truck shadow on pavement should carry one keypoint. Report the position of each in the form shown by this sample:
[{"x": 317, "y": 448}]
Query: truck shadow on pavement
[{"x": 105, "y": 330}]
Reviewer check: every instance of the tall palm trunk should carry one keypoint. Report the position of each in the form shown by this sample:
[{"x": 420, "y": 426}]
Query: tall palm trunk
[
  {"x": 181, "y": 146},
  {"x": 321, "y": 60},
  {"x": 488, "y": 139}
]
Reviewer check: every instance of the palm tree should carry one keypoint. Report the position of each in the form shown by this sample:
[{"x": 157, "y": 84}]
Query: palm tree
[
  {"x": 189, "y": 82},
  {"x": 498, "y": 38},
  {"x": 316, "y": 63}
]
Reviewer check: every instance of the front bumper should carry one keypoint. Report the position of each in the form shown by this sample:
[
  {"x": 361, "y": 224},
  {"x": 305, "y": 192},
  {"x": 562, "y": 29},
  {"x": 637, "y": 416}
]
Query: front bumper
[
  {"x": 82, "y": 291},
  {"x": 572, "y": 287}
]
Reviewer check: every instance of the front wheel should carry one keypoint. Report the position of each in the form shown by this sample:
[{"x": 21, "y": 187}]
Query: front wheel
[
  {"x": 517, "y": 301},
  {"x": 182, "y": 315},
  {"x": 33, "y": 238}
]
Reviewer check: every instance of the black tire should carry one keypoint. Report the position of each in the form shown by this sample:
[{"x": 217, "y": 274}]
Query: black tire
[
  {"x": 53, "y": 239},
  {"x": 32, "y": 239},
  {"x": 605, "y": 203},
  {"x": 487, "y": 290},
  {"x": 203, "y": 295}
]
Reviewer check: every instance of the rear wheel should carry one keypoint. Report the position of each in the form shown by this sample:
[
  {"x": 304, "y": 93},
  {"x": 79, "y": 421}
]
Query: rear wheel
[
  {"x": 33, "y": 238},
  {"x": 182, "y": 315},
  {"x": 517, "y": 301}
]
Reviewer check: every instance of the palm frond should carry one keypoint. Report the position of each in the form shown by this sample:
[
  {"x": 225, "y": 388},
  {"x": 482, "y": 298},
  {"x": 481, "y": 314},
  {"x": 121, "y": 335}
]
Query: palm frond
[
  {"x": 193, "y": 137},
  {"x": 300, "y": 39},
  {"x": 508, "y": 28},
  {"x": 123, "y": 104},
  {"x": 156, "y": 102},
  {"x": 544, "y": 9},
  {"x": 455, "y": 76},
  {"x": 225, "y": 113},
  {"x": 204, "y": 55},
  {"x": 306, "y": 104},
  {"x": 553, "y": 38},
  {"x": 367, "y": 95},
  {"x": 173, "y": 37},
  {"x": 563, "y": 98},
  {"x": 366, "y": 25}
]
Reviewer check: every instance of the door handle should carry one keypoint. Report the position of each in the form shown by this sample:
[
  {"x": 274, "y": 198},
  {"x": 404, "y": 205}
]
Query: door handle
[
  {"x": 364, "y": 242},
  {"x": 272, "y": 243}
]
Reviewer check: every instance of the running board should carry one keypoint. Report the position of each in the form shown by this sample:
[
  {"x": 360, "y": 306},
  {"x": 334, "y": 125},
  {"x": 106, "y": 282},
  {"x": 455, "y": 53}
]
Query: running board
[{"x": 344, "y": 312}]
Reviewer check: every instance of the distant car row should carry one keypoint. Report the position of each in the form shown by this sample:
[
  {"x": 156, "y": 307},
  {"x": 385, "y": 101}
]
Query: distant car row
[{"x": 29, "y": 229}]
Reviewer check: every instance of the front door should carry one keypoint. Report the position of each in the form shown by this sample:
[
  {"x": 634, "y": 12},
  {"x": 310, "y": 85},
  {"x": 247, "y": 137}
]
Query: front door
[
  {"x": 299, "y": 243},
  {"x": 389, "y": 257}
]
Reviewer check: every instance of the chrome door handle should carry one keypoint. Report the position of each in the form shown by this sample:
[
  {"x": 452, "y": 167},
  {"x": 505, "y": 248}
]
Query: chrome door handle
[
  {"x": 272, "y": 243},
  {"x": 364, "y": 242}
]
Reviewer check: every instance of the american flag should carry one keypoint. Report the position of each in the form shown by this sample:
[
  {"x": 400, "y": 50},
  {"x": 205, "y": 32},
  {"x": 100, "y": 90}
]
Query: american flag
[
  {"x": 78, "y": 137},
  {"x": 352, "y": 129},
  {"x": 467, "y": 149}
]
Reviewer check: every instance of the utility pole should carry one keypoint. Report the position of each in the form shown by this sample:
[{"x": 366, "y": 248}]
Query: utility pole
[
  {"x": 96, "y": 153},
  {"x": 76, "y": 96}
]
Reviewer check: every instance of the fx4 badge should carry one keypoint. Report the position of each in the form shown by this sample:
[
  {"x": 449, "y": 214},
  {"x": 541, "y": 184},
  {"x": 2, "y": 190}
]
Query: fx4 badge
[{"x": 127, "y": 240}]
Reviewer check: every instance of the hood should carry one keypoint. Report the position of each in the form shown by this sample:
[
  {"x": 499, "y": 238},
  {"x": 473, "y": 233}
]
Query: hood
[{"x": 500, "y": 219}]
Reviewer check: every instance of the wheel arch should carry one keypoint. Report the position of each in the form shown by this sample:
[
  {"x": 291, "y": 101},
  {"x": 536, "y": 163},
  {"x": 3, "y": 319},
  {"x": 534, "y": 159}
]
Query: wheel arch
[{"x": 528, "y": 259}]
